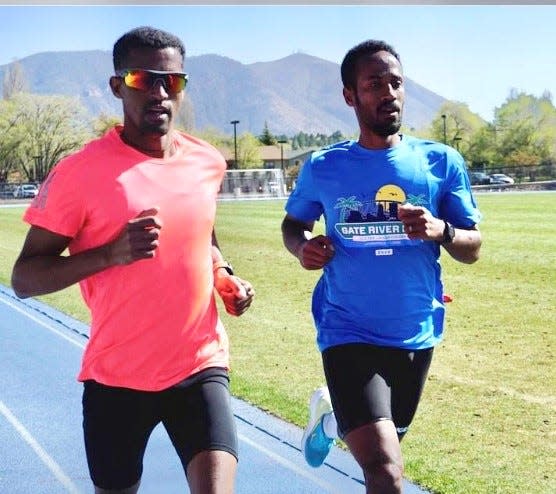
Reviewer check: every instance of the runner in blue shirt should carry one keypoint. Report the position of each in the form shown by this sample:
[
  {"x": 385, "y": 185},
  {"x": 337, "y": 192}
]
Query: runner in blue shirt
[{"x": 390, "y": 202}]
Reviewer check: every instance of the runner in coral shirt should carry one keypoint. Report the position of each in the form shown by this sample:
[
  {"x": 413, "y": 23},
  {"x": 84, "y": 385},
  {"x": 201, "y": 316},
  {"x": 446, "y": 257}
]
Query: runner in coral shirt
[{"x": 136, "y": 211}]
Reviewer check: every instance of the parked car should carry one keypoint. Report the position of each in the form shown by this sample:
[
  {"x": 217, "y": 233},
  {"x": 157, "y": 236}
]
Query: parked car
[
  {"x": 479, "y": 178},
  {"x": 7, "y": 191},
  {"x": 26, "y": 191},
  {"x": 501, "y": 178}
]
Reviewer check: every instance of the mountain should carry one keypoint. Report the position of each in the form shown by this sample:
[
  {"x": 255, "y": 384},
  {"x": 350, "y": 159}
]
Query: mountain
[{"x": 298, "y": 93}]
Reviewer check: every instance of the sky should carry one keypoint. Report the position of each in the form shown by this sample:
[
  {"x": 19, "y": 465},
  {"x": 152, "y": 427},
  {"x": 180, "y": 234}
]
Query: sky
[{"x": 474, "y": 54}]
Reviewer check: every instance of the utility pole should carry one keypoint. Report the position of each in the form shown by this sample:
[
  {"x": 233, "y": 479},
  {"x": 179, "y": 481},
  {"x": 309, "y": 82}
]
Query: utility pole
[{"x": 234, "y": 123}]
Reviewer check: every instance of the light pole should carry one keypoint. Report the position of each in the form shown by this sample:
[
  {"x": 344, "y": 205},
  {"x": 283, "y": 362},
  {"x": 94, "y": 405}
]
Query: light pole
[
  {"x": 444, "y": 126},
  {"x": 456, "y": 142},
  {"x": 234, "y": 123}
]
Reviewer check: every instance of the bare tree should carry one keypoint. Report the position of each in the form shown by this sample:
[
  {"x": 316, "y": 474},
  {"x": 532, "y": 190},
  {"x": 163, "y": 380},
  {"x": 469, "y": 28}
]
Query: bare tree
[{"x": 14, "y": 81}]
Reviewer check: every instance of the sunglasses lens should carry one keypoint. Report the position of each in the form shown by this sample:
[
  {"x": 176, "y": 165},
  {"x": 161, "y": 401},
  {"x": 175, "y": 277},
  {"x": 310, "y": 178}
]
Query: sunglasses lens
[
  {"x": 145, "y": 80},
  {"x": 176, "y": 82},
  {"x": 138, "y": 79}
]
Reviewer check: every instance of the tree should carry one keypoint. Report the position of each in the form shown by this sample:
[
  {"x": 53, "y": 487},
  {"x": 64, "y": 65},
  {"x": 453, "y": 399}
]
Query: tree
[
  {"x": 481, "y": 149},
  {"x": 248, "y": 154},
  {"x": 14, "y": 81},
  {"x": 303, "y": 140},
  {"x": 525, "y": 129},
  {"x": 336, "y": 137},
  {"x": 216, "y": 137},
  {"x": 523, "y": 132},
  {"x": 266, "y": 138},
  {"x": 104, "y": 123},
  {"x": 47, "y": 128},
  {"x": 460, "y": 125},
  {"x": 10, "y": 140}
]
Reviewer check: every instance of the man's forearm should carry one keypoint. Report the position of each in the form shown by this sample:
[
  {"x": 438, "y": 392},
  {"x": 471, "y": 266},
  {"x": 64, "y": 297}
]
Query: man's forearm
[
  {"x": 40, "y": 275},
  {"x": 465, "y": 246},
  {"x": 294, "y": 234}
]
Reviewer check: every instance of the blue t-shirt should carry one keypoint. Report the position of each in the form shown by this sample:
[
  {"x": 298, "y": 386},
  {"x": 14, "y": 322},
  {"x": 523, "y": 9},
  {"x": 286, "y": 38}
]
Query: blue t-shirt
[{"x": 381, "y": 287}]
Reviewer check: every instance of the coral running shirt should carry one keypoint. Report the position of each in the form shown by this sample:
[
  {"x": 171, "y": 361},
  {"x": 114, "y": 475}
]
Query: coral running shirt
[{"x": 154, "y": 321}]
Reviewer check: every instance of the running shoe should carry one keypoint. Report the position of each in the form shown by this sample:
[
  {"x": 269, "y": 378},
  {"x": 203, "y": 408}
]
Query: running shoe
[{"x": 315, "y": 444}]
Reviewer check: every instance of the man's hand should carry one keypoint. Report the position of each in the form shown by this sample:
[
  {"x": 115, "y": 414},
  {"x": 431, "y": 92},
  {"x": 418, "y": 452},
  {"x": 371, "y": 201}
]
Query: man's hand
[
  {"x": 420, "y": 224},
  {"x": 137, "y": 240},
  {"x": 316, "y": 252},
  {"x": 237, "y": 294}
]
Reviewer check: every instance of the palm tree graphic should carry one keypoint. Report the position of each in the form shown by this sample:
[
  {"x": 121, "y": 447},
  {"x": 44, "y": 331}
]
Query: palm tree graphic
[
  {"x": 419, "y": 200},
  {"x": 346, "y": 205}
]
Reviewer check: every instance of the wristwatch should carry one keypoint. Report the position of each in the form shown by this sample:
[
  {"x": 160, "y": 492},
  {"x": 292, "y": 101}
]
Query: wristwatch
[
  {"x": 223, "y": 264},
  {"x": 449, "y": 233}
]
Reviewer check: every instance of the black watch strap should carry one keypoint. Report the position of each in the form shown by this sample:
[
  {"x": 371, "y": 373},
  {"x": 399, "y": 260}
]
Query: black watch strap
[
  {"x": 223, "y": 264},
  {"x": 449, "y": 233}
]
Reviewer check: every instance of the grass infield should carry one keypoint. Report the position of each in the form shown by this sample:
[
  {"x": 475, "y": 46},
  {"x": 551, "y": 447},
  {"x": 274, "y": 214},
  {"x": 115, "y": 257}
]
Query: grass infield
[{"x": 486, "y": 422}]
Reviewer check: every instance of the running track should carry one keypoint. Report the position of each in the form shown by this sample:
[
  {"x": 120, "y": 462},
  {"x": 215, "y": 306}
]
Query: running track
[{"x": 41, "y": 446}]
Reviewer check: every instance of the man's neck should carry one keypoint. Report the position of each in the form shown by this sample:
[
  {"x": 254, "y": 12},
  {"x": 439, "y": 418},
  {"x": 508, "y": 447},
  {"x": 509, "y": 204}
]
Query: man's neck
[
  {"x": 373, "y": 141},
  {"x": 159, "y": 146}
]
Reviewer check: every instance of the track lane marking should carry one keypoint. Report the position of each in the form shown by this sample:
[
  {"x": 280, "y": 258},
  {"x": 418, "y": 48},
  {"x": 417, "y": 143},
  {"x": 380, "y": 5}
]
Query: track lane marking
[
  {"x": 42, "y": 323},
  {"x": 39, "y": 450},
  {"x": 290, "y": 465}
]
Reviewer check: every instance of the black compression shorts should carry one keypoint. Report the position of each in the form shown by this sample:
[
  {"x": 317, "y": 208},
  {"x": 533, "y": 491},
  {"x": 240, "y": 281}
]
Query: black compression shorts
[
  {"x": 117, "y": 423},
  {"x": 368, "y": 383}
]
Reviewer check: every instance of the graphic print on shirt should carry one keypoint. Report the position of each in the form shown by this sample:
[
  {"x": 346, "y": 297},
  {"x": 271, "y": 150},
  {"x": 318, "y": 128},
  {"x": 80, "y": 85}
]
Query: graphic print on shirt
[{"x": 373, "y": 223}]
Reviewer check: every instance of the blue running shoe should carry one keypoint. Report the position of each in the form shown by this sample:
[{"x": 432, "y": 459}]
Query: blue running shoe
[{"x": 315, "y": 444}]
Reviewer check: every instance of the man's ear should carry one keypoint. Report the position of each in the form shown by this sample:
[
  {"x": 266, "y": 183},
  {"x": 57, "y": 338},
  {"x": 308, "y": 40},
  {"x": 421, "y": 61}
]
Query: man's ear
[
  {"x": 348, "y": 96},
  {"x": 115, "y": 86}
]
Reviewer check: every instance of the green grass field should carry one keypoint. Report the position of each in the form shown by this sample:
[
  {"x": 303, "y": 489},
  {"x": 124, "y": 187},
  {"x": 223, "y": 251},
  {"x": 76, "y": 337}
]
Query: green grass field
[{"x": 486, "y": 423}]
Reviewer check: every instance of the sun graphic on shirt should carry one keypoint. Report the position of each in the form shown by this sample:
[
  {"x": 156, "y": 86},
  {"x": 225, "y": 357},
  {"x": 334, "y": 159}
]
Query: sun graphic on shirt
[{"x": 390, "y": 193}]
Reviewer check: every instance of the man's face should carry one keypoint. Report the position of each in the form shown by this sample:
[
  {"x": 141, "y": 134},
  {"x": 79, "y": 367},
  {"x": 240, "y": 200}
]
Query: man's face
[
  {"x": 378, "y": 95},
  {"x": 151, "y": 112}
]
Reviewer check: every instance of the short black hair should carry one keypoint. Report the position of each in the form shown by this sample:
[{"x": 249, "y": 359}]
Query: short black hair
[
  {"x": 144, "y": 37},
  {"x": 362, "y": 50}
]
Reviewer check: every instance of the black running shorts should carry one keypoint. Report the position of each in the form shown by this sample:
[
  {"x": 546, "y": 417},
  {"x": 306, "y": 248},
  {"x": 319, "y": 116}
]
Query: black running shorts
[
  {"x": 117, "y": 423},
  {"x": 368, "y": 383}
]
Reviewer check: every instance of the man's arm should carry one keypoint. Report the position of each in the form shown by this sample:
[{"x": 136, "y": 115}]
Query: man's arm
[
  {"x": 313, "y": 253},
  {"x": 41, "y": 268},
  {"x": 215, "y": 251},
  {"x": 419, "y": 223},
  {"x": 466, "y": 245},
  {"x": 295, "y": 234},
  {"x": 235, "y": 292}
]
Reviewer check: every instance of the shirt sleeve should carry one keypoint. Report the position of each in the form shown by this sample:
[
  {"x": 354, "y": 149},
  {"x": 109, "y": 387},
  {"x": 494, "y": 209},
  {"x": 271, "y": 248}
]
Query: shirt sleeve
[
  {"x": 304, "y": 203},
  {"x": 458, "y": 205},
  {"x": 58, "y": 206}
]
